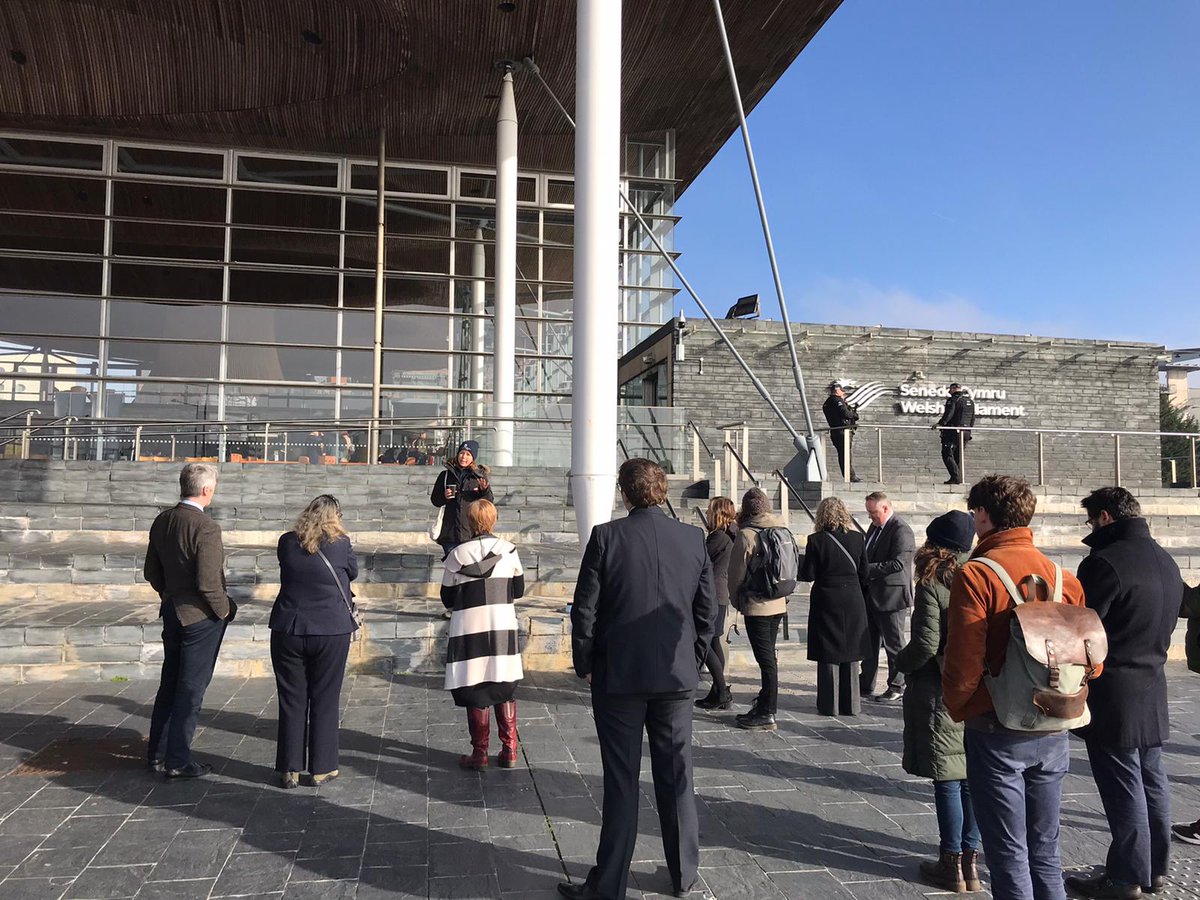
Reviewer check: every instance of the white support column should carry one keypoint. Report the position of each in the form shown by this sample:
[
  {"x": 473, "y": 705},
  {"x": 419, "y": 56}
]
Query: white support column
[
  {"x": 504, "y": 351},
  {"x": 478, "y": 307},
  {"x": 597, "y": 293}
]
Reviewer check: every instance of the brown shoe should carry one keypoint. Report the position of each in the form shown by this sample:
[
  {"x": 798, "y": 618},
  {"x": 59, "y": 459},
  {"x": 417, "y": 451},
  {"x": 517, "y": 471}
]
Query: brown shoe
[
  {"x": 970, "y": 870},
  {"x": 945, "y": 873}
]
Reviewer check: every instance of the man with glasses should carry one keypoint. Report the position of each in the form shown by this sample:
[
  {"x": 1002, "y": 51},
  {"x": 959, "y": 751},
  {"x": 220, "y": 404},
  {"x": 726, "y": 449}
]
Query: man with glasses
[{"x": 1135, "y": 587}]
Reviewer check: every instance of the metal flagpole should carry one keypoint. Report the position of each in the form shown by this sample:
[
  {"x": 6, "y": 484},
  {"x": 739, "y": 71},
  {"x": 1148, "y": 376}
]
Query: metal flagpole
[
  {"x": 813, "y": 457},
  {"x": 798, "y": 440}
]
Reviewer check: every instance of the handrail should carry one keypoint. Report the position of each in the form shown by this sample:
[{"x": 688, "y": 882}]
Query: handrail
[
  {"x": 741, "y": 464},
  {"x": 63, "y": 421},
  {"x": 783, "y": 479},
  {"x": 1024, "y": 430},
  {"x": 32, "y": 410},
  {"x": 707, "y": 449}
]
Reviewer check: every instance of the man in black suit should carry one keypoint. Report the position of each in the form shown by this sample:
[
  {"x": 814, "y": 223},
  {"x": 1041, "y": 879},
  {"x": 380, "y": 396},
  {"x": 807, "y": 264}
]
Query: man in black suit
[
  {"x": 185, "y": 565},
  {"x": 890, "y": 549},
  {"x": 645, "y": 610},
  {"x": 1135, "y": 587}
]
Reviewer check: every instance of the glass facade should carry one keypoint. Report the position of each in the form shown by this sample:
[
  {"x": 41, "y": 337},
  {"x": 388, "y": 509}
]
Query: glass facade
[{"x": 173, "y": 283}]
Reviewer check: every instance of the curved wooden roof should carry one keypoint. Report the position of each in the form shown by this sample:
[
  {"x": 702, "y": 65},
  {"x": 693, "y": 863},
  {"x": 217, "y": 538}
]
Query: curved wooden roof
[{"x": 322, "y": 75}]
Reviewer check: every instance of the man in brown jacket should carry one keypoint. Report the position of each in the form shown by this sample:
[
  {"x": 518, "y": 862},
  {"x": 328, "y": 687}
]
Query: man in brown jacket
[
  {"x": 185, "y": 565},
  {"x": 1015, "y": 777}
]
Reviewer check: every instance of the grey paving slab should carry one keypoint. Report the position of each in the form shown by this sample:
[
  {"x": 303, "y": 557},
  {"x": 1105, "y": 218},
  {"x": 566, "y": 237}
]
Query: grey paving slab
[{"x": 819, "y": 808}]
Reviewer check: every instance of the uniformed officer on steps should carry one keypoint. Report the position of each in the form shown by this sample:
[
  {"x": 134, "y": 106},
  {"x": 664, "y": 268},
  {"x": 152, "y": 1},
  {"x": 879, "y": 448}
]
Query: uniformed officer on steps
[
  {"x": 842, "y": 419},
  {"x": 959, "y": 413}
]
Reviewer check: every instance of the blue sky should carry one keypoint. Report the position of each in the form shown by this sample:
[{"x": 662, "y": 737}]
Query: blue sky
[{"x": 1023, "y": 167}]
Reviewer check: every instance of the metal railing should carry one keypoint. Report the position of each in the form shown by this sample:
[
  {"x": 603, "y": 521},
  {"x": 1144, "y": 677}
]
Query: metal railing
[
  {"x": 733, "y": 454},
  {"x": 1039, "y": 434}
]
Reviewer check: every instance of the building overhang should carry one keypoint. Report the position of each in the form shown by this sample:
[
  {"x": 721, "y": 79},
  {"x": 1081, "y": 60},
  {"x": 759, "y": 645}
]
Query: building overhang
[{"x": 326, "y": 75}]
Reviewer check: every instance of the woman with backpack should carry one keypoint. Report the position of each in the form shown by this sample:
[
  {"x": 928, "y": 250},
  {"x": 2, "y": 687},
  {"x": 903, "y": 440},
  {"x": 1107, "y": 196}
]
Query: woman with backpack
[
  {"x": 722, "y": 530},
  {"x": 762, "y": 613},
  {"x": 835, "y": 561},
  {"x": 933, "y": 742}
]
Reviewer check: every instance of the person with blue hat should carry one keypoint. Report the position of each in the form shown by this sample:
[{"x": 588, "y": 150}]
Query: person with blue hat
[
  {"x": 933, "y": 742},
  {"x": 463, "y": 481}
]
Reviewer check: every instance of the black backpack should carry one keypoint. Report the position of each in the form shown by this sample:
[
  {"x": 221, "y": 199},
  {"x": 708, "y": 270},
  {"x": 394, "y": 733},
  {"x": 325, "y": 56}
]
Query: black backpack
[{"x": 775, "y": 566}]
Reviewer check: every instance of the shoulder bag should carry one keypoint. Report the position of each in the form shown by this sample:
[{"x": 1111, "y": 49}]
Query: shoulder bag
[{"x": 353, "y": 610}]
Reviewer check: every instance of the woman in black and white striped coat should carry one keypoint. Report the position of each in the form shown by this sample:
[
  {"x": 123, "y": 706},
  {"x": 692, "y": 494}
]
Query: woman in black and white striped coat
[{"x": 483, "y": 577}]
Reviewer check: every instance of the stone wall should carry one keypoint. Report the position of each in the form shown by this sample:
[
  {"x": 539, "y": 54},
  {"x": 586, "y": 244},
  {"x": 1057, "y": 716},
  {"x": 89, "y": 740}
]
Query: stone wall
[{"x": 1052, "y": 383}]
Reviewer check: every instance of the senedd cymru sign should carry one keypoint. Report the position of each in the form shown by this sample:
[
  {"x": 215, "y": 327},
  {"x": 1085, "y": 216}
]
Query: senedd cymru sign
[{"x": 919, "y": 400}]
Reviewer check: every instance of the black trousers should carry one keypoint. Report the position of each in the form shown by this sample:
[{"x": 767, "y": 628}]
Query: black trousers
[
  {"x": 762, "y": 632},
  {"x": 836, "y": 437},
  {"x": 952, "y": 457},
  {"x": 715, "y": 661},
  {"x": 308, "y": 678},
  {"x": 837, "y": 689},
  {"x": 667, "y": 722},
  {"x": 1137, "y": 803},
  {"x": 189, "y": 657},
  {"x": 884, "y": 630}
]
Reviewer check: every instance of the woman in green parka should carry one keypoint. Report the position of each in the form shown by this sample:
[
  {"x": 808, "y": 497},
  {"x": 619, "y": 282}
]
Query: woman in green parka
[{"x": 933, "y": 742}]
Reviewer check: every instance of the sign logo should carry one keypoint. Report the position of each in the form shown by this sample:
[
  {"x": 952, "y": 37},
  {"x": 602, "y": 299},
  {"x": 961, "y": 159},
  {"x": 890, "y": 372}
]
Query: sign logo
[{"x": 919, "y": 400}]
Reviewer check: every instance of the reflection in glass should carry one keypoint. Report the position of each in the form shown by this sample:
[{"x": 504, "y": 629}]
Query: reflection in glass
[
  {"x": 357, "y": 366},
  {"x": 358, "y": 329},
  {"x": 408, "y": 217},
  {"x": 174, "y": 360},
  {"x": 292, "y": 248},
  {"x": 416, "y": 332},
  {"x": 266, "y": 363},
  {"x": 275, "y": 324},
  {"x": 176, "y": 202},
  {"x": 415, "y": 369},
  {"x": 401, "y": 254},
  {"x": 172, "y": 163},
  {"x": 16, "y": 151},
  {"x": 52, "y": 276},
  {"x": 560, "y": 192},
  {"x": 50, "y": 315},
  {"x": 164, "y": 282},
  {"x": 58, "y": 234},
  {"x": 280, "y": 170},
  {"x": 168, "y": 240},
  {"x": 399, "y": 293},
  {"x": 164, "y": 320},
  {"x": 401, "y": 179},
  {"x": 286, "y": 209},
  {"x": 263, "y": 286}
]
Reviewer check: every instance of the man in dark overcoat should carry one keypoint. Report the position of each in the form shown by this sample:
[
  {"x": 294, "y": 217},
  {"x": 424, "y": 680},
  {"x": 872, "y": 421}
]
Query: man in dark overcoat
[
  {"x": 643, "y": 616},
  {"x": 1135, "y": 587},
  {"x": 890, "y": 549}
]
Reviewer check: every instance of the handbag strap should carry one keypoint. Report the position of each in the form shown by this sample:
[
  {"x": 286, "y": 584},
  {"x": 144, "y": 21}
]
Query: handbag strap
[
  {"x": 336, "y": 580},
  {"x": 845, "y": 552}
]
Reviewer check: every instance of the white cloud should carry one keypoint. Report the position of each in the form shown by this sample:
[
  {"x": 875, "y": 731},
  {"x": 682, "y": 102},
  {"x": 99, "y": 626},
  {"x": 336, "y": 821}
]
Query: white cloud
[{"x": 855, "y": 302}]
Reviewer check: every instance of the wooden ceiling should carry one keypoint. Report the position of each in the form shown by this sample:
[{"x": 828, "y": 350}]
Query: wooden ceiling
[{"x": 323, "y": 75}]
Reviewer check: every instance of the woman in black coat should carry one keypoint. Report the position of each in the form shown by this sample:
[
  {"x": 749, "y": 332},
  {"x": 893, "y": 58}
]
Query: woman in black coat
[
  {"x": 722, "y": 529},
  {"x": 311, "y": 624},
  {"x": 835, "y": 560},
  {"x": 462, "y": 482}
]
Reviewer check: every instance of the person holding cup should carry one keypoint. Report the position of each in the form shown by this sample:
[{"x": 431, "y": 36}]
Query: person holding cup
[{"x": 462, "y": 482}]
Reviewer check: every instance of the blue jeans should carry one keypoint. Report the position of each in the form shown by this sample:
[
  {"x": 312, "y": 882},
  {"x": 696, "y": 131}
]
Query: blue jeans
[
  {"x": 1016, "y": 787},
  {"x": 955, "y": 816},
  {"x": 1137, "y": 803}
]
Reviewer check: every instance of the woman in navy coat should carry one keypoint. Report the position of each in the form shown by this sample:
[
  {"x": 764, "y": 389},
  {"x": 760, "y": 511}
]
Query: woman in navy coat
[{"x": 311, "y": 625}]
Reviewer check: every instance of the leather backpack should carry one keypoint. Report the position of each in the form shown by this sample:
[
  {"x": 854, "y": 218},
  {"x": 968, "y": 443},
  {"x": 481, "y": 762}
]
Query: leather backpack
[{"x": 1053, "y": 651}]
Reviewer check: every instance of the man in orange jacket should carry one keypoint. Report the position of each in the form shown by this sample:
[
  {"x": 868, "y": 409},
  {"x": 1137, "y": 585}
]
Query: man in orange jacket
[{"x": 1015, "y": 777}]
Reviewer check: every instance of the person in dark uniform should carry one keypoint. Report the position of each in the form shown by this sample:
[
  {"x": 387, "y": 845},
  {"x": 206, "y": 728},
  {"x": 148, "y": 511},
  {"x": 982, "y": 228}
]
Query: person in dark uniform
[
  {"x": 958, "y": 413},
  {"x": 311, "y": 624},
  {"x": 842, "y": 419},
  {"x": 644, "y": 613}
]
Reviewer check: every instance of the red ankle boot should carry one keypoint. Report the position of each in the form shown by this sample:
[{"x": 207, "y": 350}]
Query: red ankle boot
[
  {"x": 479, "y": 722},
  {"x": 506, "y": 725}
]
